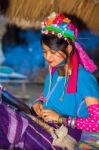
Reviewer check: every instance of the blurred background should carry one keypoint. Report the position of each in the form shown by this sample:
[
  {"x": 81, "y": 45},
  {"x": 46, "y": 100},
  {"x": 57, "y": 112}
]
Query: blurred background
[{"x": 22, "y": 65}]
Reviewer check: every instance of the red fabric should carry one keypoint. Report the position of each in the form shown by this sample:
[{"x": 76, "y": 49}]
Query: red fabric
[{"x": 73, "y": 78}]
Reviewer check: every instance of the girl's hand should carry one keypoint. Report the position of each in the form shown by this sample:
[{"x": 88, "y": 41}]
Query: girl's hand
[
  {"x": 38, "y": 107},
  {"x": 50, "y": 115}
]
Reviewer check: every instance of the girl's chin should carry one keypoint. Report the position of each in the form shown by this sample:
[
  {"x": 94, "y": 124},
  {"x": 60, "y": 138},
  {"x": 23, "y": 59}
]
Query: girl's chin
[{"x": 52, "y": 65}]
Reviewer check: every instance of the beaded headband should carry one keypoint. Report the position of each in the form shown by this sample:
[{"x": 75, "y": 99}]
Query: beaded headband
[{"x": 60, "y": 25}]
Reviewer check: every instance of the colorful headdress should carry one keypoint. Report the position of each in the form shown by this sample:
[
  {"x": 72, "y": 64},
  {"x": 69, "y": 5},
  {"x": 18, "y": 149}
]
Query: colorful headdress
[{"x": 61, "y": 26}]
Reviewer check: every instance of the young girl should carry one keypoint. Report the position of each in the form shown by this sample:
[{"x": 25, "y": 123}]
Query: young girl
[{"x": 70, "y": 94}]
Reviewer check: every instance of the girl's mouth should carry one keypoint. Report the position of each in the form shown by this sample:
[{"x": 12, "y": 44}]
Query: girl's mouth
[{"x": 49, "y": 62}]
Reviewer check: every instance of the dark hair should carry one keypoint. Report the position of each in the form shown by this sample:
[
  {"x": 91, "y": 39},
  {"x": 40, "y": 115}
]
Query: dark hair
[{"x": 55, "y": 43}]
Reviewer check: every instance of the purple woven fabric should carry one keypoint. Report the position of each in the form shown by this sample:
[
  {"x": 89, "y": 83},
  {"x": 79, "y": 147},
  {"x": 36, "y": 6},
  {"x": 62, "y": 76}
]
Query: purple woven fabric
[{"x": 18, "y": 133}]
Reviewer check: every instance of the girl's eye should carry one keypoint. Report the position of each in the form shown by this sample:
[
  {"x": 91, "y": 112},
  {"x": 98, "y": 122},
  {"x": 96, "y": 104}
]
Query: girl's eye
[{"x": 53, "y": 52}]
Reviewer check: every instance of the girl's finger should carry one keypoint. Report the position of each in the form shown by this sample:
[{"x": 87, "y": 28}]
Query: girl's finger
[
  {"x": 46, "y": 110},
  {"x": 41, "y": 106}
]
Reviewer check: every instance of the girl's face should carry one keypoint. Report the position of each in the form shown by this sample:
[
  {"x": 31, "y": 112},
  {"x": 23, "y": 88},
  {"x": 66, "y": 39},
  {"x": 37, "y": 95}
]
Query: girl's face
[{"x": 53, "y": 57}]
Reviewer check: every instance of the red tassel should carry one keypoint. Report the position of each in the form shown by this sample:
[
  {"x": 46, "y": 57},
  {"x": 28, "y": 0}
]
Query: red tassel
[{"x": 72, "y": 85}]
